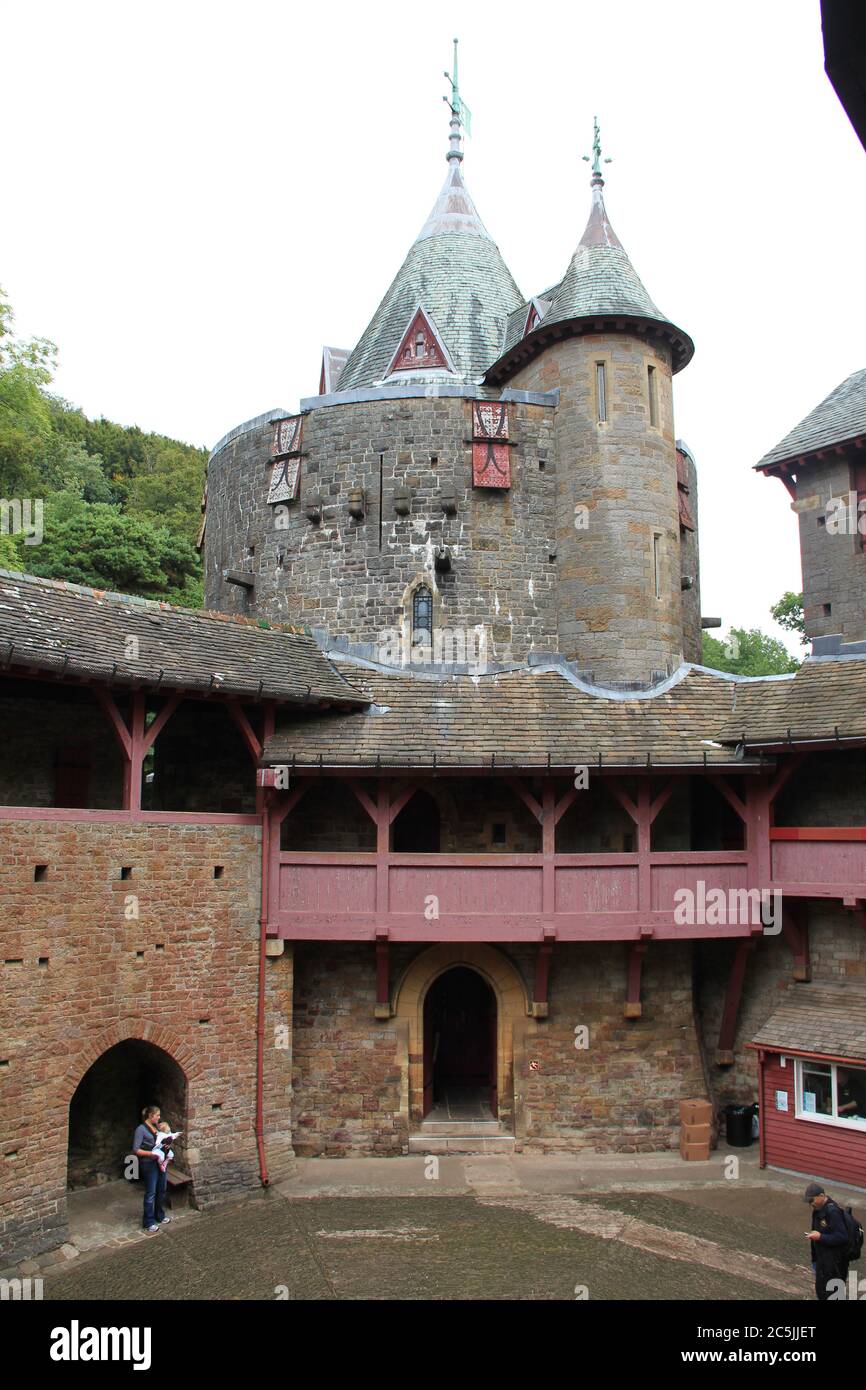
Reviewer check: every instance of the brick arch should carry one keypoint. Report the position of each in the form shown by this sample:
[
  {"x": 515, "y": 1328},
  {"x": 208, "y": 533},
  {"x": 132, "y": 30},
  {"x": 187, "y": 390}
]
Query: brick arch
[
  {"x": 143, "y": 1030},
  {"x": 512, "y": 1010}
]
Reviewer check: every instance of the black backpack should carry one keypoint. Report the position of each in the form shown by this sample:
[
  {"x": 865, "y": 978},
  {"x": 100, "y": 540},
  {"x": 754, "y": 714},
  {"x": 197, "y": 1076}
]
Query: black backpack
[{"x": 855, "y": 1235}]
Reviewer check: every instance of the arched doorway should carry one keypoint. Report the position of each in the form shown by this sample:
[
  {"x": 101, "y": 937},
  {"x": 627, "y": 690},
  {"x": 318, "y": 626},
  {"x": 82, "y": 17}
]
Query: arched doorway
[
  {"x": 460, "y": 1057},
  {"x": 106, "y": 1107}
]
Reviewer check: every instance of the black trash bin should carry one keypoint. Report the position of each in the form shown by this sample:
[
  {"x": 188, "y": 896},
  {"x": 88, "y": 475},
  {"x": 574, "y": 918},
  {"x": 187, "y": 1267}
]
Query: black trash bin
[{"x": 738, "y": 1125}]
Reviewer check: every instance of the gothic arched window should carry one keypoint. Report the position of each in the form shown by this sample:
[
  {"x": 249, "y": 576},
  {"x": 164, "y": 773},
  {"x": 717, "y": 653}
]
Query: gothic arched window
[{"x": 422, "y": 616}]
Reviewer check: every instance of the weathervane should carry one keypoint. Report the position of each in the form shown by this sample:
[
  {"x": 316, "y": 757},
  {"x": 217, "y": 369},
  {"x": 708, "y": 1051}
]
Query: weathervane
[
  {"x": 459, "y": 110},
  {"x": 596, "y": 149}
]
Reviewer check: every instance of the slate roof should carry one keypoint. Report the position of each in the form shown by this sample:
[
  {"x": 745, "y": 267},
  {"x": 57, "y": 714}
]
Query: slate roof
[
  {"x": 516, "y": 321},
  {"x": 822, "y": 697},
  {"x": 75, "y": 631},
  {"x": 599, "y": 284},
  {"x": 455, "y": 271},
  {"x": 601, "y": 280},
  {"x": 841, "y": 416},
  {"x": 829, "y": 1019},
  {"x": 516, "y": 717}
]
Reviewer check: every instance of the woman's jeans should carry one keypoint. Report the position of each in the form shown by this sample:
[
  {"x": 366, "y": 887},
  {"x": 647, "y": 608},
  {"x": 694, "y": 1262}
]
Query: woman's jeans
[{"x": 154, "y": 1191}]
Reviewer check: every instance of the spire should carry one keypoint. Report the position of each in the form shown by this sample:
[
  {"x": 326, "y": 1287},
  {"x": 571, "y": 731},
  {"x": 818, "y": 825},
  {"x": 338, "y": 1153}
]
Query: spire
[
  {"x": 598, "y": 232},
  {"x": 460, "y": 114},
  {"x": 600, "y": 285},
  {"x": 454, "y": 210},
  {"x": 453, "y": 290}
]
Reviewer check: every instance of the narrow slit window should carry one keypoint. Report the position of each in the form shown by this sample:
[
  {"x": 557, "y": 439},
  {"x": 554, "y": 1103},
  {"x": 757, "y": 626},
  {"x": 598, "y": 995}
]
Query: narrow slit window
[
  {"x": 422, "y": 617},
  {"x": 657, "y": 570},
  {"x": 652, "y": 388},
  {"x": 601, "y": 391}
]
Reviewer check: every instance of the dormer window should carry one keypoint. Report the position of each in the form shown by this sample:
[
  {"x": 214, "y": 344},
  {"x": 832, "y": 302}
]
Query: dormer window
[{"x": 421, "y": 346}]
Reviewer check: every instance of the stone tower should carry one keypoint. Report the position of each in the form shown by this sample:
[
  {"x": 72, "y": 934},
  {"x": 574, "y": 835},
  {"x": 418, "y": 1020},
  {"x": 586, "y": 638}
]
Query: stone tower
[
  {"x": 373, "y": 509},
  {"x": 610, "y": 354}
]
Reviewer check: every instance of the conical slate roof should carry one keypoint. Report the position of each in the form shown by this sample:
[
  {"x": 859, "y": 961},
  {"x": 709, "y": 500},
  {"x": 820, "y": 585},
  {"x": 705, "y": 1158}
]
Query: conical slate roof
[
  {"x": 600, "y": 288},
  {"x": 455, "y": 273},
  {"x": 600, "y": 278}
]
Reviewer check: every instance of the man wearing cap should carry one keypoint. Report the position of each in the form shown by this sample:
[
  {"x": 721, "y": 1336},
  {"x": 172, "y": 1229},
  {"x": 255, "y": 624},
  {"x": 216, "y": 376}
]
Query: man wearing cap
[{"x": 829, "y": 1237}]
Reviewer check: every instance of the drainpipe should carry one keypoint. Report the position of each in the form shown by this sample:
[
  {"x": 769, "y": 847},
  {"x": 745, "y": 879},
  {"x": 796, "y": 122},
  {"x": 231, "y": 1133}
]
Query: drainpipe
[
  {"x": 260, "y": 1013},
  {"x": 762, "y": 1117}
]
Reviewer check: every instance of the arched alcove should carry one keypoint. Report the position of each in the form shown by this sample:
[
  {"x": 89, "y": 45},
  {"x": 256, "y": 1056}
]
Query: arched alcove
[{"x": 106, "y": 1107}]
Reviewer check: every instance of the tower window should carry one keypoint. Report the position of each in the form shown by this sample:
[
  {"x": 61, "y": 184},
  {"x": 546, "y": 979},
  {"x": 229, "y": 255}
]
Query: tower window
[
  {"x": 422, "y": 617},
  {"x": 652, "y": 390},
  {"x": 420, "y": 346},
  {"x": 657, "y": 569},
  {"x": 601, "y": 391}
]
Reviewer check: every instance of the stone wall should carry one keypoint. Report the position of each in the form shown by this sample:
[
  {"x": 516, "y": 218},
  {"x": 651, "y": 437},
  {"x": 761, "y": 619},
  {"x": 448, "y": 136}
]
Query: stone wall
[
  {"x": 80, "y": 974},
  {"x": 834, "y": 564},
  {"x": 829, "y": 789},
  {"x": 350, "y": 576},
  {"x": 621, "y": 1093},
  {"x": 838, "y": 952},
  {"x": 42, "y": 723},
  {"x": 622, "y": 472}
]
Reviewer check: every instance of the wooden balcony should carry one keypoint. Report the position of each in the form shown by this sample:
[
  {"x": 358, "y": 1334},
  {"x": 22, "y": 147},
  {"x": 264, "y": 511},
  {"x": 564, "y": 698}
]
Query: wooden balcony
[
  {"x": 497, "y": 897},
  {"x": 820, "y": 861}
]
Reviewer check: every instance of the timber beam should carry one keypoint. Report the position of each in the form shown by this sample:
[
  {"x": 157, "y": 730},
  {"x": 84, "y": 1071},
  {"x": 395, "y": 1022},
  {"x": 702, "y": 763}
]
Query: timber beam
[
  {"x": 383, "y": 977},
  {"x": 633, "y": 1007},
  {"x": 795, "y": 927},
  {"x": 539, "y": 1006},
  {"x": 733, "y": 995}
]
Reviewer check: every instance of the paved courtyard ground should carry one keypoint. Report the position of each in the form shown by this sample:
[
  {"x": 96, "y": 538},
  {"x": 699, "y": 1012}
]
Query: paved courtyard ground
[{"x": 487, "y": 1227}]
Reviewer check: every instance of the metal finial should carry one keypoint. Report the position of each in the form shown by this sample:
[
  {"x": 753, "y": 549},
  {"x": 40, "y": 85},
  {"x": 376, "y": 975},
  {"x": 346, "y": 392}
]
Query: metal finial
[
  {"x": 596, "y": 150},
  {"x": 460, "y": 113}
]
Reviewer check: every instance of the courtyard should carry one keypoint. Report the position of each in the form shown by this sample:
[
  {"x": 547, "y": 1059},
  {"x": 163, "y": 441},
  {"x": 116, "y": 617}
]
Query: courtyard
[{"x": 466, "y": 1227}]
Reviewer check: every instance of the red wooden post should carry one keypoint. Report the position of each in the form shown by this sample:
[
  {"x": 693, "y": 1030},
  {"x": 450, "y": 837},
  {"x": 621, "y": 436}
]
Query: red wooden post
[
  {"x": 633, "y": 1006},
  {"x": 139, "y": 749},
  {"x": 542, "y": 976},
  {"x": 728, "y": 1029},
  {"x": 758, "y": 833},
  {"x": 383, "y": 984},
  {"x": 548, "y": 843},
  {"x": 796, "y": 932},
  {"x": 644, "y": 840},
  {"x": 383, "y": 846}
]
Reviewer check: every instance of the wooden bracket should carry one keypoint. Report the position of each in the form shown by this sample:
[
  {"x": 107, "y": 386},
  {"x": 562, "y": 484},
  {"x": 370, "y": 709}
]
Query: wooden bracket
[
  {"x": 368, "y": 805},
  {"x": 730, "y": 796},
  {"x": 527, "y": 798},
  {"x": 539, "y": 1005},
  {"x": 733, "y": 995},
  {"x": 383, "y": 982},
  {"x": 796, "y": 932},
  {"x": 633, "y": 1006}
]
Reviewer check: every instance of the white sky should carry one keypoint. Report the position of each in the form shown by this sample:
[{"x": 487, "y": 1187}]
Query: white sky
[{"x": 197, "y": 196}]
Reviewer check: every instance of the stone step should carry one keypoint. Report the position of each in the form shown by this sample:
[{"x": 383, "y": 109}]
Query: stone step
[
  {"x": 461, "y": 1143},
  {"x": 461, "y": 1127}
]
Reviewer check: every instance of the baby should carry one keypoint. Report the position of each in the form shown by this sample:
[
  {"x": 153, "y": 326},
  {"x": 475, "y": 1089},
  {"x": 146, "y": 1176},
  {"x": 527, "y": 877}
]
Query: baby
[{"x": 164, "y": 1136}]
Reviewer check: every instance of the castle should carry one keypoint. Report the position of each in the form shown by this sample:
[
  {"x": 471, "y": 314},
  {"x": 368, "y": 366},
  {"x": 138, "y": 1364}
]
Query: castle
[{"x": 431, "y": 834}]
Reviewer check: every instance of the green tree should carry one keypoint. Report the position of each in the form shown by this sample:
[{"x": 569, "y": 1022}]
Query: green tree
[
  {"x": 97, "y": 544},
  {"x": 788, "y": 613},
  {"x": 26, "y": 368},
  {"x": 121, "y": 507},
  {"x": 748, "y": 653}
]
